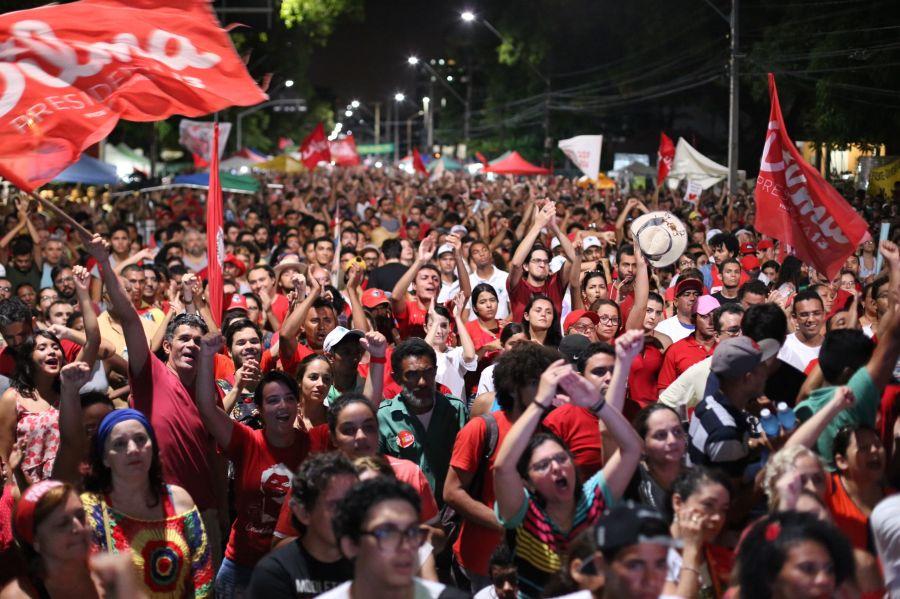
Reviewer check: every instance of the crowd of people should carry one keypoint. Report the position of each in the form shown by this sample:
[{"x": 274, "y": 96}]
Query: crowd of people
[{"x": 446, "y": 387}]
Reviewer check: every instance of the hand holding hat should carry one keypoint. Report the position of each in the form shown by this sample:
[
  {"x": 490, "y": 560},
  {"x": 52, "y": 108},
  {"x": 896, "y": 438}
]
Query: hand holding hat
[{"x": 661, "y": 236}]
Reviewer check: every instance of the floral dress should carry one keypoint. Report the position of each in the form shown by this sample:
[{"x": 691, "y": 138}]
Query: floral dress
[{"x": 40, "y": 431}]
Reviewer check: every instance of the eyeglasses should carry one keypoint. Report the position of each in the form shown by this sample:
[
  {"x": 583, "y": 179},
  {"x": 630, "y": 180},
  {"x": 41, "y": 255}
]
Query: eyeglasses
[
  {"x": 582, "y": 328},
  {"x": 561, "y": 458},
  {"x": 539, "y": 261},
  {"x": 5, "y": 289},
  {"x": 604, "y": 319},
  {"x": 388, "y": 536},
  {"x": 411, "y": 377}
]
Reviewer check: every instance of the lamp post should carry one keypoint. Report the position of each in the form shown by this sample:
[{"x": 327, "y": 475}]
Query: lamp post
[
  {"x": 414, "y": 61},
  {"x": 398, "y": 98}
]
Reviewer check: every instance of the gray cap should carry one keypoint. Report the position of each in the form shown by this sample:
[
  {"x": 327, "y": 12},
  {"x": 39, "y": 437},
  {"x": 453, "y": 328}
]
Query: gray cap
[
  {"x": 739, "y": 355},
  {"x": 572, "y": 346}
]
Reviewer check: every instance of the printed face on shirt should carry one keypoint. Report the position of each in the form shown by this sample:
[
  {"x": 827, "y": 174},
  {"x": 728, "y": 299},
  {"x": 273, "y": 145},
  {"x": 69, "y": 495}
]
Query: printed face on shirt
[{"x": 356, "y": 431}]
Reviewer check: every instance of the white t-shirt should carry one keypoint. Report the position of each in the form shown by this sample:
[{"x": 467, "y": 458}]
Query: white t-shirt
[
  {"x": 448, "y": 291},
  {"x": 486, "y": 380},
  {"x": 451, "y": 368},
  {"x": 797, "y": 353},
  {"x": 424, "y": 589},
  {"x": 497, "y": 280},
  {"x": 674, "y": 329}
]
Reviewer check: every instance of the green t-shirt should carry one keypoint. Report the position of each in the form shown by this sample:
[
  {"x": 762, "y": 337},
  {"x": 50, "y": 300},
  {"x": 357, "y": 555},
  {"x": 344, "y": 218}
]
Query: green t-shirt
[{"x": 863, "y": 411}]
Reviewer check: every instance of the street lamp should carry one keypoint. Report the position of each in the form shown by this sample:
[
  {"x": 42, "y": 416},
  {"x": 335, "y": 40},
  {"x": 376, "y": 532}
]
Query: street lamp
[
  {"x": 289, "y": 83},
  {"x": 399, "y": 97},
  {"x": 354, "y": 104},
  {"x": 468, "y": 16},
  {"x": 444, "y": 81},
  {"x": 413, "y": 60}
]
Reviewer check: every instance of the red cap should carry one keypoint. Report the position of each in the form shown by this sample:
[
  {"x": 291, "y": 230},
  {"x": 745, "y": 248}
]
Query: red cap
[
  {"x": 765, "y": 244},
  {"x": 238, "y": 301},
  {"x": 842, "y": 301},
  {"x": 374, "y": 297},
  {"x": 24, "y": 519},
  {"x": 573, "y": 317},
  {"x": 237, "y": 263},
  {"x": 688, "y": 284},
  {"x": 748, "y": 248},
  {"x": 749, "y": 262}
]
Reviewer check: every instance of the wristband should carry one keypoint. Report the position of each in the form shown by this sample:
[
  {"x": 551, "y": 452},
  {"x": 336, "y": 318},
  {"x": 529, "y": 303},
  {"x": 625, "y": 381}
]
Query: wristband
[
  {"x": 598, "y": 406},
  {"x": 544, "y": 408},
  {"x": 377, "y": 360}
]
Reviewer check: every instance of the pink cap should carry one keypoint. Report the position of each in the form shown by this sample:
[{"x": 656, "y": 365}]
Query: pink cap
[{"x": 705, "y": 304}]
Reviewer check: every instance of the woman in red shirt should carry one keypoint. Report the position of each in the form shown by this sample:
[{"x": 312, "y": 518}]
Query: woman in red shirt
[
  {"x": 264, "y": 463},
  {"x": 485, "y": 329}
]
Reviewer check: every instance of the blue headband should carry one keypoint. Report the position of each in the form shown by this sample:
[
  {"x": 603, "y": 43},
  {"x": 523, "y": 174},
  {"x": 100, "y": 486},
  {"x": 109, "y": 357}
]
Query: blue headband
[{"x": 114, "y": 418}]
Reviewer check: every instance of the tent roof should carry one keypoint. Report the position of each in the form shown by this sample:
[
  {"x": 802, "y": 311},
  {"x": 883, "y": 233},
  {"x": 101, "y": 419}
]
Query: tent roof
[
  {"x": 281, "y": 164},
  {"x": 449, "y": 164},
  {"x": 500, "y": 158},
  {"x": 251, "y": 154},
  {"x": 235, "y": 162},
  {"x": 89, "y": 170},
  {"x": 514, "y": 164},
  {"x": 232, "y": 183}
]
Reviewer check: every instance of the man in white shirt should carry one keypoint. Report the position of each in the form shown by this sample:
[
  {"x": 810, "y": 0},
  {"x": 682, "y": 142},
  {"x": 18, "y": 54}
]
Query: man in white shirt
[
  {"x": 802, "y": 346},
  {"x": 486, "y": 272},
  {"x": 450, "y": 264},
  {"x": 680, "y": 326}
]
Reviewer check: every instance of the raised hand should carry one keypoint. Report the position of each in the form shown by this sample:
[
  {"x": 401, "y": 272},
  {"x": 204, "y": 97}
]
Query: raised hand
[
  {"x": 82, "y": 278},
  {"x": 375, "y": 343},
  {"x": 581, "y": 392},
  {"x": 454, "y": 240},
  {"x": 298, "y": 282},
  {"x": 98, "y": 248},
  {"x": 459, "y": 304},
  {"x": 59, "y": 331},
  {"x": 354, "y": 278},
  {"x": 549, "y": 382},
  {"x": 629, "y": 344},
  {"x": 890, "y": 252},
  {"x": 247, "y": 376},
  {"x": 547, "y": 214},
  {"x": 844, "y": 397},
  {"x": 210, "y": 344},
  {"x": 426, "y": 249},
  {"x": 74, "y": 376}
]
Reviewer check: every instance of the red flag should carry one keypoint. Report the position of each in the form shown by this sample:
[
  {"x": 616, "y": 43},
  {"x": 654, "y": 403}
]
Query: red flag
[
  {"x": 199, "y": 161},
  {"x": 664, "y": 157},
  {"x": 795, "y": 205},
  {"x": 418, "y": 165},
  {"x": 71, "y": 71},
  {"x": 481, "y": 158},
  {"x": 215, "y": 237},
  {"x": 285, "y": 142},
  {"x": 343, "y": 151},
  {"x": 314, "y": 148}
]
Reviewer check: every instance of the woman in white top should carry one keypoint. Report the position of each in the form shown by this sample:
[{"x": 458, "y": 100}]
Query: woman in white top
[{"x": 452, "y": 362}]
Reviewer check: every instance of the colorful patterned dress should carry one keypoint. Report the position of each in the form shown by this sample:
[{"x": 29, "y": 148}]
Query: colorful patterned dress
[
  {"x": 171, "y": 555},
  {"x": 40, "y": 430}
]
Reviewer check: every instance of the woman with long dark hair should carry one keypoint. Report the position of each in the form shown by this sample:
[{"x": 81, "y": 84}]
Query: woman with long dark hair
[
  {"x": 485, "y": 329},
  {"x": 130, "y": 508},
  {"x": 665, "y": 445},
  {"x": 541, "y": 321},
  {"x": 314, "y": 376}
]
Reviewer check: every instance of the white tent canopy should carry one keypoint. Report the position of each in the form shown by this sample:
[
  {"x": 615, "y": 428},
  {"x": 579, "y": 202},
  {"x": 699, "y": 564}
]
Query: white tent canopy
[
  {"x": 692, "y": 165},
  {"x": 125, "y": 159}
]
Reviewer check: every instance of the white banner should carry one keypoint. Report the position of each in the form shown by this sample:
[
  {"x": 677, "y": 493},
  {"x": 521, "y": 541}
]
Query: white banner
[
  {"x": 197, "y": 137},
  {"x": 692, "y": 165},
  {"x": 584, "y": 151},
  {"x": 694, "y": 189}
]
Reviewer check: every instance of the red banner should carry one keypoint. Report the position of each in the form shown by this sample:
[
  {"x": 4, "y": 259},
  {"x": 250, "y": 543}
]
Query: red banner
[
  {"x": 418, "y": 165},
  {"x": 343, "y": 151},
  {"x": 314, "y": 148},
  {"x": 795, "y": 205},
  {"x": 71, "y": 71},
  {"x": 215, "y": 237},
  {"x": 664, "y": 157}
]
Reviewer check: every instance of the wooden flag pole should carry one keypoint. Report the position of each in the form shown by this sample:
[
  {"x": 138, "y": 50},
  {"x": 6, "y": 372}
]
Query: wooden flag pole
[{"x": 60, "y": 213}]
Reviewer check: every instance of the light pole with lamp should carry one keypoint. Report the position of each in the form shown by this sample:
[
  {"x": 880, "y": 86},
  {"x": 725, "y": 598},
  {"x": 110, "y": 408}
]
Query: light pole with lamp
[
  {"x": 399, "y": 97},
  {"x": 414, "y": 61}
]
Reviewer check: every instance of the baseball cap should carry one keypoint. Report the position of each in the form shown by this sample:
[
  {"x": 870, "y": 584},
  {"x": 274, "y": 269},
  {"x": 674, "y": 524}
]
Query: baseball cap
[
  {"x": 573, "y": 317},
  {"x": 444, "y": 249},
  {"x": 238, "y": 302},
  {"x": 629, "y": 524},
  {"x": 687, "y": 285},
  {"x": 748, "y": 248},
  {"x": 237, "y": 263},
  {"x": 712, "y": 233},
  {"x": 737, "y": 356},
  {"x": 555, "y": 243},
  {"x": 706, "y": 304},
  {"x": 749, "y": 262},
  {"x": 374, "y": 297},
  {"x": 572, "y": 346},
  {"x": 459, "y": 230},
  {"x": 591, "y": 241},
  {"x": 765, "y": 244},
  {"x": 339, "y": 334}
]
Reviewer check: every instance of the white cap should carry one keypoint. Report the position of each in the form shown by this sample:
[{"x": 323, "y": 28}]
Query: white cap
[
  {"x": 591, "y": 241},
  {"x": 711, "y": 233},
  {"x": 459, "y": 230},
  {"x": 337, "y": 335},
  {"x": 555, "y": 243},
  {"x": 556, "y": 263},
  {"x": 444, "y": 249}
]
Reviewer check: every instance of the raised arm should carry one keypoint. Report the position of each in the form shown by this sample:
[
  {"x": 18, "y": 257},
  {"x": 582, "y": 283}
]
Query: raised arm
[
  {"x": 808, "y": 433},
  {"x": 216, "y": 421},
  {"x": 462, "y": 270},
  {"x": 641, "y": 293},
  {"x": 135, "y": 339},
  {"x": 354, "y": 287},
  {"x": 293, "y": 322},
  {"x": 72, "y": 445},
  {"x": 542, "y": 218},
  {"x": 91, "y": 348},
  {"x": 508, "y": 485},
  {"x": 376, "y": 344},
  {"x": 465, "y": 340},
  {"x": 398, "y": 295}
]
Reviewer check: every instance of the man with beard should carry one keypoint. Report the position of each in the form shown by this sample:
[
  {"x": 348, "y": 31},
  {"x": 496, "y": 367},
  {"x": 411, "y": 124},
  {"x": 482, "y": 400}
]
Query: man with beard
[
  {"x": 529, "y": 269},
  {"x": 485, "y": 272},
  {"x": 694, "y": 348},
  {"x": 194, "y": 258},
  {"x": 164, "y": 393},
  {"x": 420, "y": 424},
  {"x": 244, "y": 342},
  {"x": 681, "y": 325},
  {"x": 64, "y": 283}
]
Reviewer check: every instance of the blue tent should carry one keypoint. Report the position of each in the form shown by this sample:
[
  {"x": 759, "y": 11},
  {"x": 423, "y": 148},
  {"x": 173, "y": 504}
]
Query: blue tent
[
  {"x": 229, "y": 182},
  {"x": 89, "y": 171}
]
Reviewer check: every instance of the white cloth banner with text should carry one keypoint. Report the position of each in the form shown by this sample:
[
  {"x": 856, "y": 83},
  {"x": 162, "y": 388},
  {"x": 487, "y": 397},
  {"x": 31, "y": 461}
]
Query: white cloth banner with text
[{"x": 584, "y": 151}]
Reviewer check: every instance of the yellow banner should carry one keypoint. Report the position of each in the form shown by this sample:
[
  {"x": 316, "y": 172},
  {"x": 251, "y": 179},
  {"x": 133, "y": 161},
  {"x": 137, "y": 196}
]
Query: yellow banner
[{"x": 883, "y": 178}]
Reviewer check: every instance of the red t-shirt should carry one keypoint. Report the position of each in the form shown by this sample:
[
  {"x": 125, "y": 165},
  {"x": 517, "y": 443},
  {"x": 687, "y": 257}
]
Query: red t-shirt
[
  {"x": 262, "y": 481},
  {"x": 411, "y": 320},
  {"x": 184, "y": 445},
  {"x": 481, "y": 337},
  {"x": 280, "y": 306},
  {"x": 580, "y": 430},
  {"x": 69, "y": 349},
  {"x": 680, "y": 356},
  {"x": 889, "y": 410},
  {"x": 554, "y": 288},
  {"x": 475, "y": 543},
  {"x": 642, "y": 380}
]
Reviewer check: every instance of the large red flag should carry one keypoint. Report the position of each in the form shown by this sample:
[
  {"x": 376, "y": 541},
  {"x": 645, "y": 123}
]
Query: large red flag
[
  {"x": 343, "y": 151},
  {"x": 314, "y": 148},
  {"x": 215, "y": 237},
  {"x": 418, "y": 165},
  {"x": 69, "y": 72},
  {"x": 795, "y": 205},
  {"x": 664, "y": 157}
]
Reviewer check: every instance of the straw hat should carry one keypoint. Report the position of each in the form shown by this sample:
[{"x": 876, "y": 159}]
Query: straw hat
[{"x": 660, "y": 236}]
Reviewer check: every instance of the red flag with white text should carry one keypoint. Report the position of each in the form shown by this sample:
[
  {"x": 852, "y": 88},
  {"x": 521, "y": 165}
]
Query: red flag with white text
[
  {"x": 314, "y": 148},
  {"x": 71, "y": 71},
  {"x": 215, "y": 237},
  {"x": 796, "y": 206},
  {"x": 664, "y": 157},
  {"x": 343, "y": 151},
  {"x": 418, "y": 165}
]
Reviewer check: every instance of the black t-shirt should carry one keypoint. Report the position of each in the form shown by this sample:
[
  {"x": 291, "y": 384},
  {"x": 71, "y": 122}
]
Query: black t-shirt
[
  {"x": 724, "y": 300},
  {"x": 291, "y": 571},
  {"x": 385, "y": 277}
]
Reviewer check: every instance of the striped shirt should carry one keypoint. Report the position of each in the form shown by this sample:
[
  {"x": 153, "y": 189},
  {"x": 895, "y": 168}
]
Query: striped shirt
[
  {"x": 720, "y": 434},
  {"x": 538, "y": 543}
]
